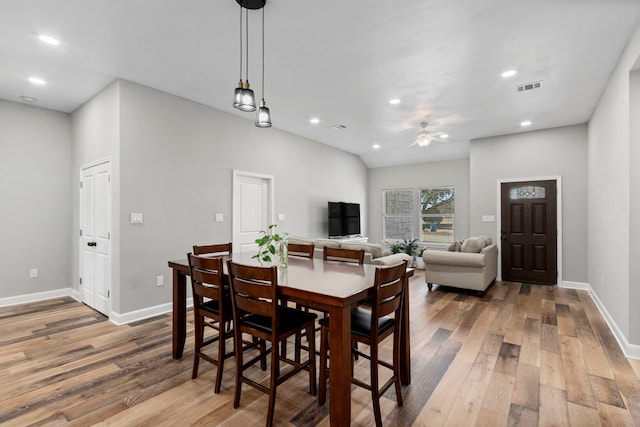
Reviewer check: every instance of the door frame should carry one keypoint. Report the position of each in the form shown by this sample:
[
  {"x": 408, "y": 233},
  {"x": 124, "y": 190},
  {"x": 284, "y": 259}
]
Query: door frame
[
  {"x": 110, "y": 226},
  {"x": 558, "y": 180},
  {"x": 237, "y": 174}
]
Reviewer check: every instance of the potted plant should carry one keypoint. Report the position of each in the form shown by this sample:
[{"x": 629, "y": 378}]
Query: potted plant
[
  {"x": 267, "y": 246},
  {"x": 419, "y": 260}
]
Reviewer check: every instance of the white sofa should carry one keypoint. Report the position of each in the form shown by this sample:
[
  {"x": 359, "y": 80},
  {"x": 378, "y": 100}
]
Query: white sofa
[
  {"x": 373, "y": 251},
  {"x": 466, "y": 270}
]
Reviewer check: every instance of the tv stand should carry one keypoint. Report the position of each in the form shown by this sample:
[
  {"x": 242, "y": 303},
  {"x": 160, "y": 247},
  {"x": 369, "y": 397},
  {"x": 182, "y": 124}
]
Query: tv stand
[{"x": 351, "y": 239}]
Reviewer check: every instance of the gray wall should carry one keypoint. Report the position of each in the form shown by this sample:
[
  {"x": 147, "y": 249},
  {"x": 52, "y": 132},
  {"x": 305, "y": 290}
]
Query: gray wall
[
  {"x": 95, "y": 137},
  {"x": 175, "y": 166},
  {"x": 35, "y": 190},
  {"x": 613, "y": 196},
  {"x": 551, "y": 152},
  {"x": 634, "y": 206},
  {"x": 430, "y": 174}
]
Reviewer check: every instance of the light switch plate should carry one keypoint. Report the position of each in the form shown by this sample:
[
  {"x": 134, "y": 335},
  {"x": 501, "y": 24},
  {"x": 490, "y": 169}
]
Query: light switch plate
[
  {"x": 488, "y": 218},
  {"x": 136, "y": 218},
  {"x": 282, "y": 217},
  {"x": 219, "y": 217}
]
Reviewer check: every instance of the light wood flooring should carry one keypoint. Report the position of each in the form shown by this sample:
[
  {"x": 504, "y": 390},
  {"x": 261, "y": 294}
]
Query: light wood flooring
[{"x": 522, "y": 355}]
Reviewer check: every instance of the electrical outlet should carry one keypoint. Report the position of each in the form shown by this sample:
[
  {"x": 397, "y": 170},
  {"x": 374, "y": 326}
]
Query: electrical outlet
[
  {"x": 33, "y": 273},
  {"x": 160, "y": 281}
]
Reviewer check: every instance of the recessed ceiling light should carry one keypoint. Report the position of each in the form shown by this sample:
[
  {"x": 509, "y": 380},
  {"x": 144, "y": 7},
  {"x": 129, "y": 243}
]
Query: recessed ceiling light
[
  {"x": 394, "y": 101},
  {"x": 48, "y": 40},
  {"x": 525, "y": 123},
  {"x": 36, "y": 81},
  {"x": 29, "y": 99},
  {"x": 509, "y": 73},
  {"x": 376, "y": 146},
  {"x": 444, "y": 136},
  {"x": 314, "y": 120}
]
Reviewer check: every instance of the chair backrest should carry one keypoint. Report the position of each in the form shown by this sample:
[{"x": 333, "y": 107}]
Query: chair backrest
[
  {"x": 253, "y": 291},
  {"x": 213, "y": 249},
  {"x": 388, "y": 292},
  {"x": 341, "y": 254},
  {"x": 206, "y": 277},
  {"x": 300, "y": 249}
]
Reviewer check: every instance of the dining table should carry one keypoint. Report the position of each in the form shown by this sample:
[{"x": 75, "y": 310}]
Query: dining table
[{"x": 330, "y": 286}]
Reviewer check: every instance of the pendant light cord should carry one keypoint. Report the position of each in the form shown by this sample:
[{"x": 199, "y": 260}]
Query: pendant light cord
[
  {"x": 240, "y": 42},
  {"x": 247, "y": 42},
  {"x": 263, "y": 53}
]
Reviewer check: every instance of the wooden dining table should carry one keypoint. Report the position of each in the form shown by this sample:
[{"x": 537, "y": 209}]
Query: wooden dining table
[{"x": 334, "y": 287}]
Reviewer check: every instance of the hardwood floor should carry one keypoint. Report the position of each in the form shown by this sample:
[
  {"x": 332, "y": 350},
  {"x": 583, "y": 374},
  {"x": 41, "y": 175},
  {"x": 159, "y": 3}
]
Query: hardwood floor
[{"x": 521, "y": 355}]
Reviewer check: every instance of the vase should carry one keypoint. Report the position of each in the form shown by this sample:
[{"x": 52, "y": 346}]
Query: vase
[{"x": 283, "y": 252}]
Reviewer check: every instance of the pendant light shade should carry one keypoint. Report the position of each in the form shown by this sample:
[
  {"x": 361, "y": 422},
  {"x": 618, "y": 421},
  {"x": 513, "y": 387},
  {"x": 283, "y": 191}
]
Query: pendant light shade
[
  {"x": 263, "y": 116},
  {"x": 247, "y": 99}
]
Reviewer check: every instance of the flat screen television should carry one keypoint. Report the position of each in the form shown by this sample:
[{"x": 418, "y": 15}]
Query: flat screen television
[{"x": 344, "y": 219}]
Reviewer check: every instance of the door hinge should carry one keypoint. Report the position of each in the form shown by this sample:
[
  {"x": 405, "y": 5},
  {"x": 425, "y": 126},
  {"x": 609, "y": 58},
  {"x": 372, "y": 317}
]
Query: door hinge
[
  {"x": 108, "y": 178},
  {"x": 109, "y": 235},
  {"x": 108, "y": 294},
  {"x": 80, "y": 184},
  {"x": 81, "y": 232},
  {"x": 81, "y": 280}
]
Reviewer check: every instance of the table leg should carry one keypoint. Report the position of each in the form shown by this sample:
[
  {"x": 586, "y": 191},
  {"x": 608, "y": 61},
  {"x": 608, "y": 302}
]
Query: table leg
[
  {"x": 405, "y": 335},
  {"x": 179, "y": 312},
  {"x": 340, "y": 366}
]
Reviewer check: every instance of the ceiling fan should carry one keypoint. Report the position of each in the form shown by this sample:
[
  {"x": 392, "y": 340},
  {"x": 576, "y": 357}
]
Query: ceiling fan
[{"x": 424, "y": 137}]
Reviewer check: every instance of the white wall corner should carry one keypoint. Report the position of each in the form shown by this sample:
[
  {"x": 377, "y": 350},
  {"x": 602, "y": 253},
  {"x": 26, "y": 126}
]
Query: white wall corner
[
  {"x": 630, "y": 350},
  {"x": 145, "y": 313}
]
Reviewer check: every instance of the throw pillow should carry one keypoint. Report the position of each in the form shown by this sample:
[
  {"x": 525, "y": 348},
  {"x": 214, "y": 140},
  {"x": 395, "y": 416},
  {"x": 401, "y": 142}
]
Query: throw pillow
[
  {"x": 455, "y": 246},
  {"x": 487, "y": 240},
  {"x": 473, "y": 245}
]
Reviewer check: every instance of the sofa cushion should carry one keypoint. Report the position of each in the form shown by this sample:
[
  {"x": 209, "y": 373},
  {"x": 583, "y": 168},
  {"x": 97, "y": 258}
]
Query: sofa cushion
[
  {"x": 331, "y": 243},
  {"x": 376, "y": 250},
  {"x": 460, "y": 259},
  {"x": 299, "y": 240},
  {"x": 473, "y": 245},
  {"x": 392, "y": 259}
]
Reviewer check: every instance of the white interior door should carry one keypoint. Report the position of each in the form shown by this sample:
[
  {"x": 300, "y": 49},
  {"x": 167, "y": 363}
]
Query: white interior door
[
  {"x": 95, "y": 236},
  {"x": 252, "y": 208}
]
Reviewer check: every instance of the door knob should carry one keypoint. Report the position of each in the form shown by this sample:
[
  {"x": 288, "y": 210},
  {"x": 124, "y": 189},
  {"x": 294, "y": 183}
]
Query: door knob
[{"x": 92, "y": 244}]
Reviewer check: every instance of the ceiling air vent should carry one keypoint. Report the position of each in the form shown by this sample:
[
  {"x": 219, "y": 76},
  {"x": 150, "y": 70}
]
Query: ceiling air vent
[
  {"x": 525, "y": 87},
  {"x": 338, "y": 127}
]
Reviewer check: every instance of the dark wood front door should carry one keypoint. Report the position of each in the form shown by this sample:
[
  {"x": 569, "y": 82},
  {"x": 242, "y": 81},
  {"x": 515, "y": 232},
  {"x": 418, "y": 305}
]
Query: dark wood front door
[{"x": 529, "y": 232}]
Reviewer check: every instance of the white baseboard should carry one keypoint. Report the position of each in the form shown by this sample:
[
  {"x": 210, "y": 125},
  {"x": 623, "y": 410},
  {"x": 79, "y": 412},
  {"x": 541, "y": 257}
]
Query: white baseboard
[
  {"x": 631, "y": 351},
  {"x": 38, "y": 296},
  {"x": 144, "y": 313}
]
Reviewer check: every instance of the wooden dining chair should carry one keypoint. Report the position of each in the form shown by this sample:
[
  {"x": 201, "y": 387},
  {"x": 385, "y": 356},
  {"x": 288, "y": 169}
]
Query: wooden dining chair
[
  {"x": 341, "y": 254},
  {"x": 301, "y": 249},
  {"x": 206, "y": 283},
  {"x": 371, "y": 328},
  {"x": 218, "y": 248},
  {"x": 256, "y": 312}
]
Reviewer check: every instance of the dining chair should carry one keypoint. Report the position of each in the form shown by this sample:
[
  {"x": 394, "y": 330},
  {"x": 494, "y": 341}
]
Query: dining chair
[
  {"x": 371, "y": 328},
  {"x": 206, "y": 283},
  {"x": 256, "y": 312},
  {"x": 218, "y": 248},
  {"x": 341, "y": 254},
  {"x": 301, "y": 249}
]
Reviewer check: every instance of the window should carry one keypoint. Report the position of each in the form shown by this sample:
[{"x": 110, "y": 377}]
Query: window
[
  {"x": 398, "y": 212},
  {"x": 437, "y": 208}
]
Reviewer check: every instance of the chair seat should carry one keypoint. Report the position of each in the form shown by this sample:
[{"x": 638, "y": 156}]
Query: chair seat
[
  {"x": 361, "y": 322},
  {"x": 290, "y": 320},
  {"x": 213, "y": 306}
]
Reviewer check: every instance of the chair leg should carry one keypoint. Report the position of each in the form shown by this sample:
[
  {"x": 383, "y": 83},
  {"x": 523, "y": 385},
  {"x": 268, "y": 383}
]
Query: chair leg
[
  {"x": 322, "y": 383},
  {"x": 221, "y": 355},
  {"x": 312, "y": 360},
  {"x": 239, "y": 362},
  {"x": 198, "y": 338},
  {"x": 275, "y": 373},
  {"x": 396, "y": 365},
  {"x": 375, "y": 391}
]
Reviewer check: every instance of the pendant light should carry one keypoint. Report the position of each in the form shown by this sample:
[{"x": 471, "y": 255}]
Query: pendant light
[
  {"x": 247, "y": 98},
  {"x": 263, "y": 115}
]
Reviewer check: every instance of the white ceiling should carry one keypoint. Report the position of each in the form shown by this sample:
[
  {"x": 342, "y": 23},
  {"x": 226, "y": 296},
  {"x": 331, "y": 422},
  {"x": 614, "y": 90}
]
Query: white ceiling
[{"x": 338, "y": 60}]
